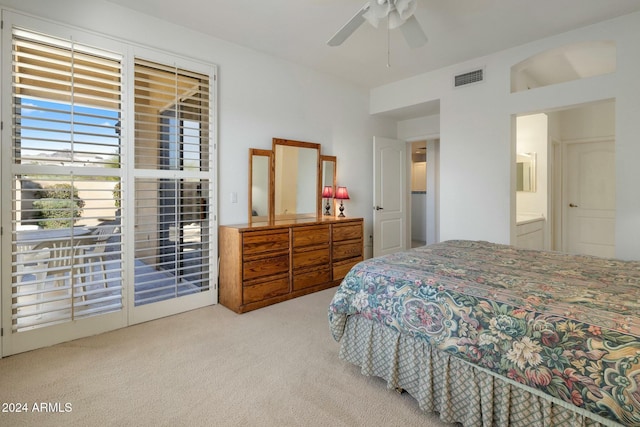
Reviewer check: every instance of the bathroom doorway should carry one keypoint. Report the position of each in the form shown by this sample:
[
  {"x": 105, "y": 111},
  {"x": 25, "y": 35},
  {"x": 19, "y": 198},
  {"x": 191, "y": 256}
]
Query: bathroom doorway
[{"x": 574, "y": 184}]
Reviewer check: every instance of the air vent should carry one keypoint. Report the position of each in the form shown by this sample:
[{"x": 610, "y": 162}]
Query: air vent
[{"x": 475, "y": 76}]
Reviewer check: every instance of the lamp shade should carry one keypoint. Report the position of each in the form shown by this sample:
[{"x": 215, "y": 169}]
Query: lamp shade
[
  {"x": 342, "y": 193},
  {"x": 327, "y": 192}
]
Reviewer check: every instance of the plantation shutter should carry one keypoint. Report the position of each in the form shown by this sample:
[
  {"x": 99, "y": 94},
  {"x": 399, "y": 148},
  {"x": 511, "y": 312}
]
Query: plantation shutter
[
  {"x": 173, "y": 188},
  {"x": 77, "y": 90},
  {"x": 66, "y": 155}
]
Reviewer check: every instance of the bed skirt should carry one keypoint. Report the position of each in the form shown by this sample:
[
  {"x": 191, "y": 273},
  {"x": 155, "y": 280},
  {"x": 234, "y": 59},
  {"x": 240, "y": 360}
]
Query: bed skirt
[{"x": 456, "y": 390}]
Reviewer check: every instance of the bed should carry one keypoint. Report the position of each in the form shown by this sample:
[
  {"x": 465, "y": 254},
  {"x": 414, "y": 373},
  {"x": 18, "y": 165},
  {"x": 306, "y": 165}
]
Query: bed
[{"x": 489, "y": 334}]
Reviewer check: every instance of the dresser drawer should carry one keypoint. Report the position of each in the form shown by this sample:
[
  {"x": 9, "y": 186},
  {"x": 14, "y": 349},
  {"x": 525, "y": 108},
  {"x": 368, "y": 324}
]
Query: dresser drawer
[
  {"x": 309, "y": 236},
  {"x": 264, "y": 241},
  {"x": 311, "y": 278},
  {"x": 267, "y": 266},
  {"x": 263, "y": 290},
  {"x": 347, "y": 231},
  {"x": 311, "y": 258},
  {"x": 347, "y": 250},
  {"x": 340, "y": 269}
]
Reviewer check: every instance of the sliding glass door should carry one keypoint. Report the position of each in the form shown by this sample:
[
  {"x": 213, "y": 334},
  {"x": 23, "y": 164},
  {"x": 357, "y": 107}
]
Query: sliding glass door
[
  {"x": 62, "y": 264},
  {"x": 174, "y": 259},
  {"x": 108, "y": 190}
]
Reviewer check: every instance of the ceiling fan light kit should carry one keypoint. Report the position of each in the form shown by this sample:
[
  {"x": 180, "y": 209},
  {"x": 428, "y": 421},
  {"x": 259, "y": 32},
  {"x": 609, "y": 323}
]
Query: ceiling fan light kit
[
  {"x": 397, "y": 11},
  {"x": 399, "y": 14}
]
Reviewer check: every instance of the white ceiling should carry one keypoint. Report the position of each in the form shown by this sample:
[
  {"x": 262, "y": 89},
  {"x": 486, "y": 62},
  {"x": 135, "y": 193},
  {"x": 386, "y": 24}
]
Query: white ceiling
[{"x": 458, "y": 30}]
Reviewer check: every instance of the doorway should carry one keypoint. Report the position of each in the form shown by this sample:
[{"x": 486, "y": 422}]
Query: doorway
[
  {"x": 418, "y": 193},
  {"x": 577, "y": 164},
  {"x": 393, "y": 176},
  {"x": 423, "y": 191}
]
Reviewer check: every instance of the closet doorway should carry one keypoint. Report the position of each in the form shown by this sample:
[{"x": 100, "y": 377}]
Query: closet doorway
[
  {"x": 423, "y": 185},
  {"x": 418, "y": 191}
]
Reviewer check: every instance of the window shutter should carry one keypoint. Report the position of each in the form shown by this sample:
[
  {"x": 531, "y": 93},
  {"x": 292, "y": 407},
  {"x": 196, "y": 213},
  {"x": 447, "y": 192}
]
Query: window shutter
[
  {"x": 66, "y": 102},
  {"x": 173, "y": 182},
  {"x": 178, "y": 101},
  {"x": 66, "y": 258}
]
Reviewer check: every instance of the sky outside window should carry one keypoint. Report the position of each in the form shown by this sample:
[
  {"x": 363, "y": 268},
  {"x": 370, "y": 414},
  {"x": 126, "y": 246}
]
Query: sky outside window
[{"x": 51, "y": 132}]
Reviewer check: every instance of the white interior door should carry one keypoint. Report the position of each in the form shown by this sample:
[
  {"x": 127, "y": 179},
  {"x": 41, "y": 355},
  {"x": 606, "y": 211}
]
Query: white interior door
[
  {"x": 389, "y": 196},
  {"x": 589, "y": 204}
]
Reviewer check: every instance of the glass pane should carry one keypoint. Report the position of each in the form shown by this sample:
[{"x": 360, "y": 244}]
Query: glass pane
[
  {"x": 171, "y": 239},
  {"x": 66, "y": 249},
  {"x": 172, "y": 118},
  {"x": 171, "y": 223},
  {"x": 57, "y": 134}
]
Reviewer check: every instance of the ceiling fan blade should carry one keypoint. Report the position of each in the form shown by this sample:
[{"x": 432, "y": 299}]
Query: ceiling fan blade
[
  {"x": 348, "y": 28},
  {"x": 413, "y": 33}
]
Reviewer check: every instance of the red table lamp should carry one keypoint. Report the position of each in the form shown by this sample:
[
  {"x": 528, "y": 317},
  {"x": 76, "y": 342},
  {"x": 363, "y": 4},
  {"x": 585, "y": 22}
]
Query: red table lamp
[
  {"x": 342, "y": 194},
  {"x": 327, "y": 193}
]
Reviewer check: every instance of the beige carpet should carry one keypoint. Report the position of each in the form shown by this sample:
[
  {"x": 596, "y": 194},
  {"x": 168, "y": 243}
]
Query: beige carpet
[{"x": 277, "y": 366}]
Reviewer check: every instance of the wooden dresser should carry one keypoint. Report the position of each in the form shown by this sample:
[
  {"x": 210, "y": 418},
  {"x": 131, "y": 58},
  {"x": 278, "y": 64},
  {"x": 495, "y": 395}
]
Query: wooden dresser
[{"x": 263, "y": 264}]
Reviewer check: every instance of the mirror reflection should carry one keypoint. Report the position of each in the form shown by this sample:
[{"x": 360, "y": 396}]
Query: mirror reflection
[
  {"x": 526, "y": 172},
  {"x": 328, "y": 182},
  {"x": 296, "y": 177},
  {"x": 259, "y": 164}
]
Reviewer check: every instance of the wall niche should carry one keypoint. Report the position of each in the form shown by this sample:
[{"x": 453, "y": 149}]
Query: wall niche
[{"x": 563, "y": 64}]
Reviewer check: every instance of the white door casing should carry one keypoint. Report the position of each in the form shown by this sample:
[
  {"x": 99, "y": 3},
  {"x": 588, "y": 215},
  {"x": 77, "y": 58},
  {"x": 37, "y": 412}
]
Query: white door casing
[
  {"x": 589, "y": 205},
  {"x": 389, "y": 196}
]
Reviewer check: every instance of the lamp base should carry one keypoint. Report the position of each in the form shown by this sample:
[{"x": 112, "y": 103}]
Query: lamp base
[
  {"x": 341, "y": 211},
  {"x": 327, "y": 208}
]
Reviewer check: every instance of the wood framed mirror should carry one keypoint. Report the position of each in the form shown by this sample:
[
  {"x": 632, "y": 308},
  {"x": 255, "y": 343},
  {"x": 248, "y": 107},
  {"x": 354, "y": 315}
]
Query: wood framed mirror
[
  {"x": 328, "y": 166},
  {"x": 286, "y": 182},
  {"x": 260, "y": 188},
  {"x": 295, "y": 176}
]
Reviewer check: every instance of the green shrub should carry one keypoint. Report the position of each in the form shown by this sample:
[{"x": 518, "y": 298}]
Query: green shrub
[
  {"x": 65, "y": 192},
  {"x": 116, "y": 195},
  {"x": 59, "y": 206},
  {"x": 57, "y": 213}
]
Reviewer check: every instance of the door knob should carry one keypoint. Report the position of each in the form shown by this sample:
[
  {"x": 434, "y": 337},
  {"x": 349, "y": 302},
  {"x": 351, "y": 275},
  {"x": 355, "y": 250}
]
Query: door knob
[
  {"x": 571, "y": 205},
  {"x": 378, "y": 208}
]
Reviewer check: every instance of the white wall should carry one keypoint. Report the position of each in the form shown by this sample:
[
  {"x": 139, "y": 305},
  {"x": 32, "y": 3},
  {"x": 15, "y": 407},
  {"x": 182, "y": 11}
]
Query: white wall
[
  {"x": 587, "y": 122},
  {"x": 428, "y": 126},
  {"x": 477, "y": 141},
  {"x": 259, "y": 97}
]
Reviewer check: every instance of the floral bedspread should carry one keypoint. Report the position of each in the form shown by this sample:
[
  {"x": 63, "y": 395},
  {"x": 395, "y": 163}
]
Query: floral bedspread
[{"x": 566, "y": 325}]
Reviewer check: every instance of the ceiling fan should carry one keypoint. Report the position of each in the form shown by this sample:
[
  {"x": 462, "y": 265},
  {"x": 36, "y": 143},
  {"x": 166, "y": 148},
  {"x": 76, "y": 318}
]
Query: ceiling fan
[{"x": 399, "y": 14}]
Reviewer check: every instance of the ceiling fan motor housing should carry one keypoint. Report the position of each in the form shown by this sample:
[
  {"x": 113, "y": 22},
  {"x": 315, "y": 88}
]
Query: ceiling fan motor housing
[{"x": 399, "y": 13}]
